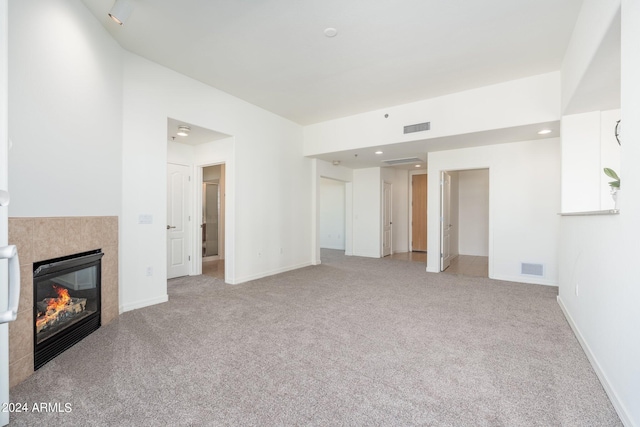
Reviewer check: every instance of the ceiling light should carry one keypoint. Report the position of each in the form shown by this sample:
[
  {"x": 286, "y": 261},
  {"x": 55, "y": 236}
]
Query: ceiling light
[
  {"x": 121, "y": 10},
  {"x": 330, "y": 32},
  {"x": 183, "y": 130},
  {"x": 417, "y": 166},
  {"x": 336, "y": 162},
  {"x": 544, "y": 131},
  {"x": 378, "y": 152}
]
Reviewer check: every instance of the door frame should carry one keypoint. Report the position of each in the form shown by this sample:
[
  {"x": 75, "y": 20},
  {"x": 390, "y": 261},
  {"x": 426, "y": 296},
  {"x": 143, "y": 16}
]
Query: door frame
[
  {"x": 411, "y": 175},
  {"x": 213, "y": 257},
  {"x": 445, "y": 220},
  {"x": 433, "y": 208},
  {"x": 197, "y": 230}
]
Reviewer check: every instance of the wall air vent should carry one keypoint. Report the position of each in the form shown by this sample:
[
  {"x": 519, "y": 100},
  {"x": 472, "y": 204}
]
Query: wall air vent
[
  {"x": 532, "y": 269},
  {"x": 420, "y": 127},
  {"x": 402, "y": 161}
]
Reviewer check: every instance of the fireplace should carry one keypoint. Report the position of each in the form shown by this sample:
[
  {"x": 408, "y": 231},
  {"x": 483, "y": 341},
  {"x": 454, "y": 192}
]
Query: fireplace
[{"x": 66, "y": 302}]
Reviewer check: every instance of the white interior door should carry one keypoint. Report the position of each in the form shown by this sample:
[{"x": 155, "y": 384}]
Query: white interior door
[
  {"x": 178, "y": 219},
  {"x": 386, "y": 220},
  {"x": 445, "y": 221}
]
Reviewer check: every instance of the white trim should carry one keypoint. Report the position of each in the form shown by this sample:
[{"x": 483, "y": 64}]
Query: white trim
[
  {"x": 269, "y": 273},
  {"x": 531, "y": 280},
  {"x": 144, "y": 303},
  {"x": 604, "y": 380}
]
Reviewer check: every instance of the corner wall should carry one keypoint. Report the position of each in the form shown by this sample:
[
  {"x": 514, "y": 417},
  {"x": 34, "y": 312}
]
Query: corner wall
[
  {"x": 65, "y": 112},
  {"x": 599, "y": 288},
  {"x": 268, "y": 180}
]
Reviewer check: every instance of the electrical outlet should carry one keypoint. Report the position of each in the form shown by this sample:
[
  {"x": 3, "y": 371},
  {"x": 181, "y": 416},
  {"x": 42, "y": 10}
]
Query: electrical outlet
[
  {"x": 149, "y": 271},
  {"x": 576, "y": 288},
  {"x": 259, "y": 254},
  {"x": 281, "y": 251}
]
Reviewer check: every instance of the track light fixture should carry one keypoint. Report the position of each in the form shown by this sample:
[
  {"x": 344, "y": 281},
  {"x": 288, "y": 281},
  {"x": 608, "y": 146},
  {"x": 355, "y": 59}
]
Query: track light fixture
[{"x": 121, "y": 10}]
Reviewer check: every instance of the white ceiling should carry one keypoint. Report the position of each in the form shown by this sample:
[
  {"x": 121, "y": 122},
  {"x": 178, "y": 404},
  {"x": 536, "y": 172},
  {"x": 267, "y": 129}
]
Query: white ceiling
[
  {"x": 274, "y": 54},
  {"x": 197, "y": 135}
]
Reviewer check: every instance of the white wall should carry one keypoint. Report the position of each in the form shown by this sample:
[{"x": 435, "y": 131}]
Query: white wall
[
  {"x": 591, "y": 27},
  {"x": 525, "y": 101},
  {"x": 597, "y": 254},
  {"x": 65, "y": 111},
  {"x": 588, "y": 146},
  {"x": 399, "y": 179},
  {"x": 332, "y": 214},
  {"x": 524, "y": 205},
  {"x": 581, "y": 162},
  {"x": 367, "y": 212},
  {"x": 609, "y": 155},
  {"x": 4, "y": 148},
  {"x": 268, "y": 180},
  {"x": 473, "y": 216},
  {"x": 180, "y": 154}
]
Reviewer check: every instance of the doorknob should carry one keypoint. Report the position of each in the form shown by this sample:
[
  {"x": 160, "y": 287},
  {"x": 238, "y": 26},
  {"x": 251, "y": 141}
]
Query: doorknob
[{"x": 168, "y": 227}]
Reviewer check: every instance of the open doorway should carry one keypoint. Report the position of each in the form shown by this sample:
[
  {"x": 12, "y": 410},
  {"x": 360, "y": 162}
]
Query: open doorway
[
  {"x": 212, "y": 220},
  {"x": 465, "y": 222},
  {"x": 332, "y": 215}
]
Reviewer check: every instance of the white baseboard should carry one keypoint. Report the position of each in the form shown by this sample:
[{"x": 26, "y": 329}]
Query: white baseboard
[
  {"x": 604, "y": 380},
  {"x": 528, "y": 279},
  {"x": 244, "y": 279},
  {"x": 144, "y": 303}
]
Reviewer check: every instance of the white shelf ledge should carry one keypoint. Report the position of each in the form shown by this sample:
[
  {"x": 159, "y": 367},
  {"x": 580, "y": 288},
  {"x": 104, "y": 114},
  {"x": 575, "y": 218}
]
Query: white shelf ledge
[{"x": 591, "y": 213}]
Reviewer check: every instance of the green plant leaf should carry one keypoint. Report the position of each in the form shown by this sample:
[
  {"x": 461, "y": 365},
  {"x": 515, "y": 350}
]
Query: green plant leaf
[{"x": 612, "y": 174}]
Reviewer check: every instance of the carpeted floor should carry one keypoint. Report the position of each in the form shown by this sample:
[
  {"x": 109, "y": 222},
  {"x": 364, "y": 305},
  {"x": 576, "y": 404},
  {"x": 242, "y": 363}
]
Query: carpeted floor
[{"x": 353, "y": 341}]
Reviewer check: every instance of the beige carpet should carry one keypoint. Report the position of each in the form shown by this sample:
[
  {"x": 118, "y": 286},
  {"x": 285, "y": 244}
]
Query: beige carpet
[{"x": 353, "y": 341}]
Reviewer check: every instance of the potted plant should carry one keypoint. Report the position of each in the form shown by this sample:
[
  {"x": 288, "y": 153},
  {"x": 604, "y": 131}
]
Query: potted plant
[{"x": 615, "y": 184}]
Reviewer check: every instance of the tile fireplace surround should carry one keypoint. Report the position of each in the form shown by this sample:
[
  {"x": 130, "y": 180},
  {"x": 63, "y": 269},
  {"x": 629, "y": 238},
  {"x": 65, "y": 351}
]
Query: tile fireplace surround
[{"x": 40, "y": 239}]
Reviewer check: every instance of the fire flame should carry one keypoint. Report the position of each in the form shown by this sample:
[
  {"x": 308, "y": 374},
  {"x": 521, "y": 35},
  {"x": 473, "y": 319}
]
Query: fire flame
[{"x": 54, "y": 306}]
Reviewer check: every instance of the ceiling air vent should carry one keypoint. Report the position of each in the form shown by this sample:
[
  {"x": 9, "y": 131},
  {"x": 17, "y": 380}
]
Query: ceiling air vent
[
  {"x": 420, "y": 127},
  {"x": 402, "y": 161}
]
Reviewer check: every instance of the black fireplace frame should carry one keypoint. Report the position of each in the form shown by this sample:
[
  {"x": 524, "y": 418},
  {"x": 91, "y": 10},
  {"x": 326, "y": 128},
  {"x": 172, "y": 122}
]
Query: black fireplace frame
[{"x": 66, "y": 338}]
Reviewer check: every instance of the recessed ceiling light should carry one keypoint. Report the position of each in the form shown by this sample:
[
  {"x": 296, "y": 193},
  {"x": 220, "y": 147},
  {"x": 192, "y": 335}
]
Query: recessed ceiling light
[
  {"x": 544, "y": 131},
  {"x": 417, "y": 166},
  {"x": 330, "y": 32},
  {"x": 378, "y": 152}
]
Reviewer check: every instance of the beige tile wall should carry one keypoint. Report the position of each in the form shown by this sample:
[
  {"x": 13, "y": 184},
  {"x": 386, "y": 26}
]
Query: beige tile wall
[{"x": 39, "y": 239}]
